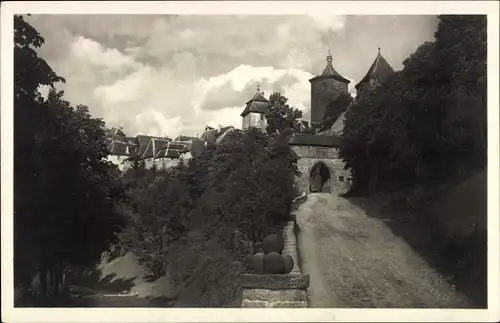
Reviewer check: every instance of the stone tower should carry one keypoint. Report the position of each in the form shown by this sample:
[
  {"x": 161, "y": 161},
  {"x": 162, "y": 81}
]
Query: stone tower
[
  {"x": 254, "y": 113},
  {"x": 376, "y": 75},
  {"x": 324, "y": 89}
]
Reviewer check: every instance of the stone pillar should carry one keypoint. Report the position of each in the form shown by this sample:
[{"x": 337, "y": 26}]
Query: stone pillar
[{"x": 274, "y": 291}]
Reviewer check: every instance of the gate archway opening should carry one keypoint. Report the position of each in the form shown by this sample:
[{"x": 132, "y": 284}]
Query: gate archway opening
[{"x": 320, "y": 179}]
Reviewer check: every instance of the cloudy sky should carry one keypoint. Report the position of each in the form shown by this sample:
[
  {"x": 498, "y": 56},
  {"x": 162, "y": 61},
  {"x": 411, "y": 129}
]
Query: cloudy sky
[{"x": 164, "y": 74}]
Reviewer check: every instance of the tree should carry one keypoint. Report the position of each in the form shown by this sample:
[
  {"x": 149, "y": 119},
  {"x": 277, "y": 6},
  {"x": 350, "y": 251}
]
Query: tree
[
  {"x": 156, "y": 209},
  {"x": 30, "y": 71},
  {"x": 425, "y": 125},
  {"x": 281, "y": 118},
  {"x": 250, "y": 183},
  {"x": 63, "y": 186}
]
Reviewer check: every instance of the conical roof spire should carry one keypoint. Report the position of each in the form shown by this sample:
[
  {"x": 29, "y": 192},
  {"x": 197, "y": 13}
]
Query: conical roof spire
[
  {"x": 379, "y": 69},
  {"x": 329, "y": 71},
  {"x": 258, "y": 104},
  {"x": 259, "y": 96}
]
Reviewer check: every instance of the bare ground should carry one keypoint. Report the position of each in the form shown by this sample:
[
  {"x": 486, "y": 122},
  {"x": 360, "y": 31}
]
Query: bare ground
[{"x": 356, "y": 261}]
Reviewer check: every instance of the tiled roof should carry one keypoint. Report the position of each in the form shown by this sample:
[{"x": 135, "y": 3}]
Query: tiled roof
[
  {"x": 169, "y": 153},
  {"x": 303, "y": 124},
  {"x": 258, "y": 104},
  {"x": 148, "y": 146},
  {"x": 216, "y": 135},
  {"x": 330, "y": 72},
  {"x": 120, "y": 148},
  {"x": 114, "y": 132},
  {"x": 379, "y": 70},
  {"x": 180, "y": 145},
  {"x": 143, "y": 146},
  {"x": 173, "y": 149},
  {"x": 332, "y": 114},
  {"x": 208, "y": 135},
  {"x": 314, "y": 140},
  {"x": 118, "y": 143},
  {"x": 143, "y": 140},
  {"x": 184, "y": 138},
  {"x": 223, "y": 133}
]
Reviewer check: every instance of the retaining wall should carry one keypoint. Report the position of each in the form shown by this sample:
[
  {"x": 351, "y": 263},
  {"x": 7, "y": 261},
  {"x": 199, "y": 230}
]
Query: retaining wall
[{"x": 278, "y": 291}]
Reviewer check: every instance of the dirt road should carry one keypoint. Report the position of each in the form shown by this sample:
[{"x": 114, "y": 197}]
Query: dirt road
[{"x": 355, "y": 261}]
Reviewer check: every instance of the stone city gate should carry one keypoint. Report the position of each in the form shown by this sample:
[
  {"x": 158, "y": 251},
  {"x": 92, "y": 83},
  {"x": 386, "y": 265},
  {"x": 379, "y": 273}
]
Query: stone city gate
[{"x": 321, "y": 168}]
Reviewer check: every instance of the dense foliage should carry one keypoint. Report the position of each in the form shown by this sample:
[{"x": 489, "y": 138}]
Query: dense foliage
[
  {"x": 281, "y": 118},
  {"x": 245, "y": 184},
  {"x": 64, "y": 190},
  {"x": 427, "y": 123}
]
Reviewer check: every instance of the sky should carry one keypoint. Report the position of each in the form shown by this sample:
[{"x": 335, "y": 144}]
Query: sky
[{"x": 175, "y": 74}]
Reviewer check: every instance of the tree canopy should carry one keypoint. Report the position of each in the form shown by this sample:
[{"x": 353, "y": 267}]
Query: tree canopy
[
  {"x": 427, "y": 122},
  {"x": 282, "y": 118},
  {"x": 64, "y": 189}
]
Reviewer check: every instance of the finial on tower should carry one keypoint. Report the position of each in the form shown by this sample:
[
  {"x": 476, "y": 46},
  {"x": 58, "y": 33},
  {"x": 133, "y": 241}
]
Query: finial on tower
[
  {"x": 258, "y": 87},
  {"x": 329, "y": 58},
  {"x": 379, "y": 50}
]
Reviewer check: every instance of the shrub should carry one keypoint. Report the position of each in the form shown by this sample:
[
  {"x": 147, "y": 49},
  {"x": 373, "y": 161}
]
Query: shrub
[{"x": 204, "y": 271}]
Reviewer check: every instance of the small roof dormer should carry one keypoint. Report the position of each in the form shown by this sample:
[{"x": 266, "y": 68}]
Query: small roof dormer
[
  {"x": 258, "y": 104},
  {"x": 379, "y": 70},
  {"x": 330, "y": 72}
]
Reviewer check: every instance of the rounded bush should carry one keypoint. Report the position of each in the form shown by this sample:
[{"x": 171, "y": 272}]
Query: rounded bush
[
  {"x": 274, "y": 263},
  {"x": 273, "y": 243},
  {"x": 288, "y": 263},
  {"x": 255, "y": 262}
]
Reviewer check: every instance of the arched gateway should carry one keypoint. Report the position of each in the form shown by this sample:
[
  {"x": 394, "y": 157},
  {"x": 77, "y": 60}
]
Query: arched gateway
[
  {"x": 321, "y": 168},
  {"x": 320, "y": 179}
]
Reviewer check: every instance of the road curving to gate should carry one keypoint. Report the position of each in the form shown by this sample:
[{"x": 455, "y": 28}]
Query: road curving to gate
[{"x": 355, "y": 261}]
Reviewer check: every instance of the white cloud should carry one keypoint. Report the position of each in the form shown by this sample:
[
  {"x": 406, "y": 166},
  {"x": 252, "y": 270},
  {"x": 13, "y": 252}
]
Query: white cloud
[
  {"x": 129, "y": 88},
  {"x": 156, "y": 73},
  {"x": 157, "y": 124},
  {"x": 225, "y": 117},
  {"x": 95, "y": 53},
  {"x": 329, "y": 22},
  {"x": 238, "y": 85}
]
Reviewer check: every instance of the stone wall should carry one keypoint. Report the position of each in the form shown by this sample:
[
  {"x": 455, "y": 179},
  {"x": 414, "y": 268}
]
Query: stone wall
[
  {"x": 310, "y": 156},
  {"x": 278, "y": 291},
  {"x": 274, "y": 291}
]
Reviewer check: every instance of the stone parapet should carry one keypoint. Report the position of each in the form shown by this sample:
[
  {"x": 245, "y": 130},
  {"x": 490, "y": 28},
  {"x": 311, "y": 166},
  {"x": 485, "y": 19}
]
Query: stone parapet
[
  {"x": 291, "y": 245},
  {"x": 278, "y": 291},
  {"x": 274, "y": 282},
  {"x": 274, "y": 291}
]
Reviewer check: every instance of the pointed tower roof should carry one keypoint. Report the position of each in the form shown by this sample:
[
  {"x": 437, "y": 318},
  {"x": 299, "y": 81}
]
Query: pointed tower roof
[
  {"x": 258, "y": 104},
  {"x": 380, "y": 69},
  {"x": 330, "y": 72}
]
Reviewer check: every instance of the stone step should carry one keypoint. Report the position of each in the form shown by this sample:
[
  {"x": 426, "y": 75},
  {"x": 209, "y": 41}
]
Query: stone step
[
  {"x": 263, "y": 304},
  {"x": 286, "y": 295}
]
